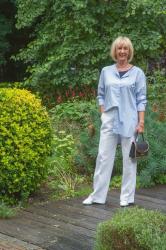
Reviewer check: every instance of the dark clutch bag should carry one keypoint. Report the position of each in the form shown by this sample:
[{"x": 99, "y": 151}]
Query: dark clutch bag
[{"x": 139, "y": 148}]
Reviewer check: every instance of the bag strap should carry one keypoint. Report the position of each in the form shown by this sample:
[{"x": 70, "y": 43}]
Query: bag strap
[{"x": 137, "y": 134}]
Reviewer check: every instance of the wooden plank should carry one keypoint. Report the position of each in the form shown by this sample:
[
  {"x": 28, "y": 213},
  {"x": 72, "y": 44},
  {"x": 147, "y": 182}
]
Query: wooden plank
[
  {"x": 75, "y": 212},
  {"x": 11, "y": 243},
  {"x": 158, "y": 202},
  {"x": 79, "y": 204},
  {"x": 89, "y": 224},
  {"x": 54, "y": 223},
  {"x": 158, "y": 192},
  {"x": 157, "y": 199},
  {"x": 69, "y": 225},
  {"x": 70, "y": 244},
  {"x": 141, "y": 200},
  {"x": 27, "y": 231},
  {"x": 40, "y": 231}
]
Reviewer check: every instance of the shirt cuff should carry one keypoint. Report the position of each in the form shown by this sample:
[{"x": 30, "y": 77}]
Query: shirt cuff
[
  {"x": 141, "y": 107},
  {"x": 101, "y": 102}
]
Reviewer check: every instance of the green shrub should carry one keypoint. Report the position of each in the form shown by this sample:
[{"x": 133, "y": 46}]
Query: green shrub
[
  {"x": 25, "y": 143},
  {"x": 88, "y": 145},
  {"x": 116, "y": 181},
  {"x": 11, "y": 85},
  {"x": 63, "y": 144},
  {"x": 64, "y": 178},
  {"x": 64, "y": 184},
  {"x": 157, "y": 93},
  {"x": 134, "y": 229},
  {"x": 72, "y": 116},
  {"x": 154, "y": 166}
]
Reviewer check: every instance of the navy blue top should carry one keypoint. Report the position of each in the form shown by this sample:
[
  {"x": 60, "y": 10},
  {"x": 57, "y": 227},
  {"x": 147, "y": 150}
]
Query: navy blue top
[{"x": 121, "y": 73}]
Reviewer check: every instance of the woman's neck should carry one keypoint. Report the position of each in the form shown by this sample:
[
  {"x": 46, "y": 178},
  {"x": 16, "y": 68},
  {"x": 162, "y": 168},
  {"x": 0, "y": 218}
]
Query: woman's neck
[{"x": 123, "y": 65}]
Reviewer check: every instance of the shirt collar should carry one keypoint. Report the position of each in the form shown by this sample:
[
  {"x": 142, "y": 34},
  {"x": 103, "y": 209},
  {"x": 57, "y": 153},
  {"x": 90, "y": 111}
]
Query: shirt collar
[{"x": 125, "y": 75}]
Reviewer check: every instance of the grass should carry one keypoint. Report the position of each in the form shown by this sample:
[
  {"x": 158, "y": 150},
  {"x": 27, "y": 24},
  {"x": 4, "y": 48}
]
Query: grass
[{"x": 6, "y": 211}]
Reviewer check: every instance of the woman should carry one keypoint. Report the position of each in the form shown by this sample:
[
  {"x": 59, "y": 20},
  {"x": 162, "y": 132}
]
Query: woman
[{"x": 122, "y": 101}]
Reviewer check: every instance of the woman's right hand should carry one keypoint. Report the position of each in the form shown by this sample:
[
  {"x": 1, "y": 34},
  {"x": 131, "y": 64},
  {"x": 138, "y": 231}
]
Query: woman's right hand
[{"x": 140, "y": 128}]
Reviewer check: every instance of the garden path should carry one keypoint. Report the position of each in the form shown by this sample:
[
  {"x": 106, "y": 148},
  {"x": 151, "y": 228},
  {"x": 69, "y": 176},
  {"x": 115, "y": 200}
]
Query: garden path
[{"x": 68, "y": 225}]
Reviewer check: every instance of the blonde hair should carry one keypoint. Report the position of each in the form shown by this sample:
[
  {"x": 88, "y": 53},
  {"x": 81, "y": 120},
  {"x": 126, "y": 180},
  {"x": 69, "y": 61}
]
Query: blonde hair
[{"x": 125, "y": 41}]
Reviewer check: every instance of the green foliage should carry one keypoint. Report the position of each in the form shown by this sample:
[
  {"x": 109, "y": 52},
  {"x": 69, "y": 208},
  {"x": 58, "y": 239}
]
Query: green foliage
[
  {"x": 64, "y": 178},
  {"x": 161, "y": 179},
  {"x": 25, "y": 143},
  {"x": 37, "y": 9},
  {"x": 83, "y": 190},
  {"x": 134, "y": 229},
  {"x": 72, "y": 116},
  {"x": 88, "y": 145},
  {"x": 63, "y": 144},
  {"x": 6, "y": 212},
  {"x": 117, "y": 180},
  {"x": 10, "y": 85},
  {"x": 70, "y": 40},
  {"x": 65, "y": 185},
  {"x": 157, "y": 93},
  {"x": 155, "y": 165},
  {"x": 74, "y": 111}
]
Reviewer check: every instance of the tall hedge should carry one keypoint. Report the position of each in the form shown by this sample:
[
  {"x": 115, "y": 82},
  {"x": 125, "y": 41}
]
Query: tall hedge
[{"x": 25, "y": 143}]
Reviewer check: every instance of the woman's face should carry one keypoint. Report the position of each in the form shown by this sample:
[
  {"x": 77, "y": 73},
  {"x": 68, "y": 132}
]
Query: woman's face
[{"x": 122, "y": 53}]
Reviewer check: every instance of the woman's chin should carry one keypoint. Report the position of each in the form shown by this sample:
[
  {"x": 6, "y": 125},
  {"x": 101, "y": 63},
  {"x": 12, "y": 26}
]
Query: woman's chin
[{"x": 122, "y": 60}]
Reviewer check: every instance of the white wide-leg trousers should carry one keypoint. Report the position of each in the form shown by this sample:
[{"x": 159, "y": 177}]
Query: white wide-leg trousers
[{"x": 105, "y": 161}]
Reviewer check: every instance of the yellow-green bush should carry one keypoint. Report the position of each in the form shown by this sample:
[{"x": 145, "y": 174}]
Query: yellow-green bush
[{"x": 25, "y": 143}]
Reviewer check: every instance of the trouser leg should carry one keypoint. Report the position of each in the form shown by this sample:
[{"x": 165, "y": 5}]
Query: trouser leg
[
  {"x": 129, "y": 172},
  {"x": 105, "y": 161}
]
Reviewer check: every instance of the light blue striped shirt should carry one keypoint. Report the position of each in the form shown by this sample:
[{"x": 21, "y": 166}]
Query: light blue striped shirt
[{"x": 127, "y": 94}]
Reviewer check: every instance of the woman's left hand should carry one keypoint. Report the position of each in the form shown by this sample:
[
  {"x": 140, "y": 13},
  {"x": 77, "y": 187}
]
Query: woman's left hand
[{"x": 140, "y": 127}]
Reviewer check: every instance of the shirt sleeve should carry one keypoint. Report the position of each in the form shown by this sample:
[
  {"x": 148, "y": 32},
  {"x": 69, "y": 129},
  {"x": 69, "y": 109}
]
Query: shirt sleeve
[
  {"x": 101, "y": 89},
  {"x": 141, "y": 91}
]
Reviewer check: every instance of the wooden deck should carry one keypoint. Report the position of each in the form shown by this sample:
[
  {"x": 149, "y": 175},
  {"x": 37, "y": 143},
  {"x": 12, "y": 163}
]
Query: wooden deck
[{"x": 68, "y": 225}]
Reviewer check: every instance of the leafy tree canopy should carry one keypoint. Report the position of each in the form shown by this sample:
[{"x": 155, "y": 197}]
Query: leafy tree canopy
[{"x": 71, "y": 38}]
